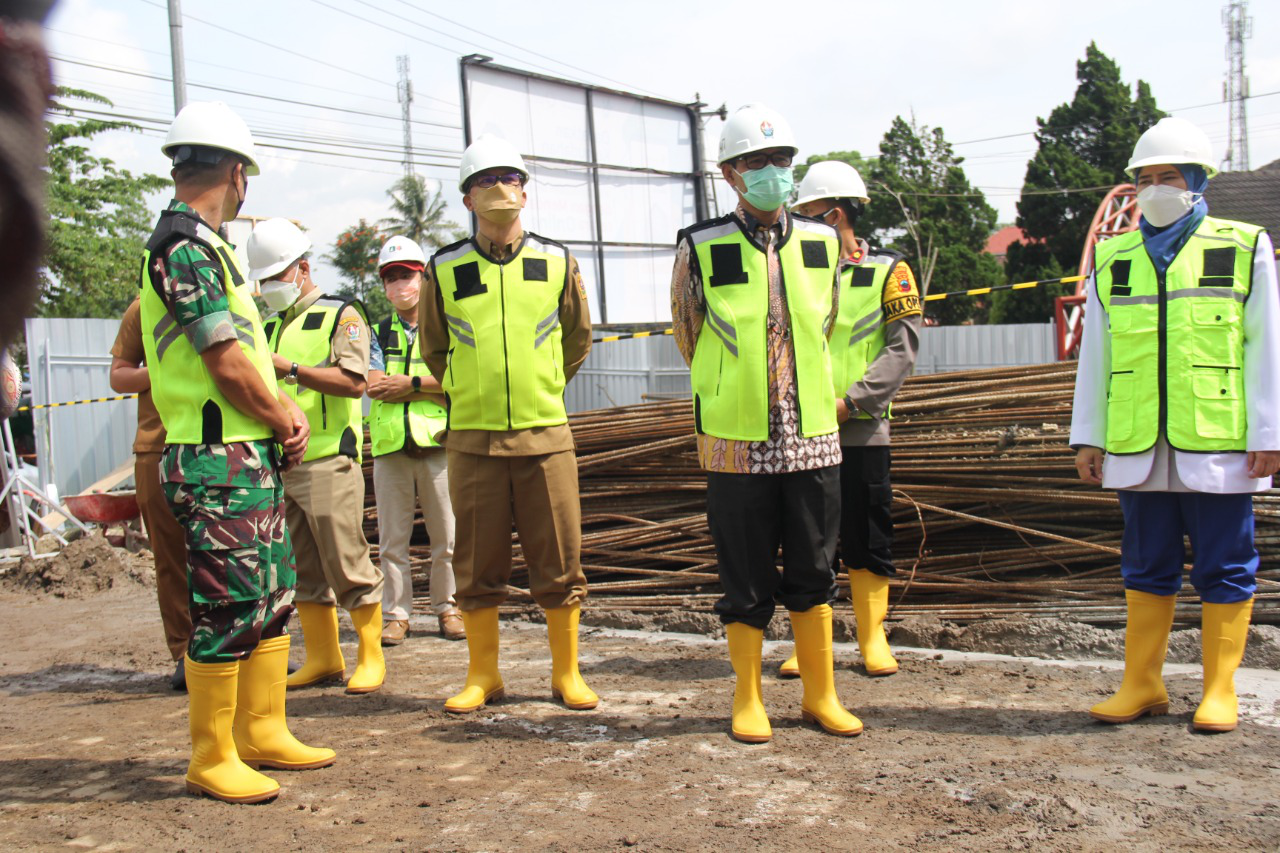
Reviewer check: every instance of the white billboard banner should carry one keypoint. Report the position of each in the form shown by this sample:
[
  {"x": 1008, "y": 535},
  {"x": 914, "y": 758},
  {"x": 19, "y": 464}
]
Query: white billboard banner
[{"x": 614, "y": 177}]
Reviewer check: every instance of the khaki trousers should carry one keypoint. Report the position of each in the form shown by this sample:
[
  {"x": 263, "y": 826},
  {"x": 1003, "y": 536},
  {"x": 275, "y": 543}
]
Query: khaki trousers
[
  {"x": 540, "y": 493},
  {"x": 169, "y": 545},
  {"x": 400, "y": 483},
  {"x": 324, "y": 507}
]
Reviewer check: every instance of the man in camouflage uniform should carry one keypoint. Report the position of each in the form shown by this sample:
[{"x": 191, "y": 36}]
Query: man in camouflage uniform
[{"x": 215, "y": 389}]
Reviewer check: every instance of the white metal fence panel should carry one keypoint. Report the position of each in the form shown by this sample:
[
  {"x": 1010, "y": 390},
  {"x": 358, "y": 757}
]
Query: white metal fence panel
[
  {"x": 624, "y": 373},
  {"x": 69, "y": 359}
]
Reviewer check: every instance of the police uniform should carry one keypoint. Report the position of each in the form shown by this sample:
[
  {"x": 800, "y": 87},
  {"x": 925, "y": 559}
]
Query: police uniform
[
  {"x": 1179, "y": 377},
  {"x": 324, "y": 495},
  {"x": 874, "y": 344},
  {"x": 409, "y": 466},
  {"x": 168, "y": 545}
]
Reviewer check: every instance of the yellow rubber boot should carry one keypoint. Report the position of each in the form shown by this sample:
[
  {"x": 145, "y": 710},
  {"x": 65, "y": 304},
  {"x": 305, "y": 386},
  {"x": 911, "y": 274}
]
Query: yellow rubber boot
[
  {"x": 1224, "y": 630},
  {"x": 261, "y": 732},
  {"x": 484, "y": 684},
  {"x": 216, "y": 769},
  {"x": 870, "y": 594},
  {"x": 790, "y": 667},
  {"x": 320, "y": 637},
  {"x": 812, "y": 629},
  {"x": 371, "y": 666},
  {"x": 750, "y": 721},
  {"x": 566, "y": 682},
  {"x": 1146, "y": 640}
]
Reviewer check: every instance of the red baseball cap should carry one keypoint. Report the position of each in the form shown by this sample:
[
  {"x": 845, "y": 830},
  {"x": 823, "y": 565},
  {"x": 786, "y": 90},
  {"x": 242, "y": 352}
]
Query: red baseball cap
[{"x": 412, "y": 266}]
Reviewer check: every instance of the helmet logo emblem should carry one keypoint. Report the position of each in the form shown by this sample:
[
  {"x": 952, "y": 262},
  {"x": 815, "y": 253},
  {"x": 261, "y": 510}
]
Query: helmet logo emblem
[{"x": 766, "y": 129}]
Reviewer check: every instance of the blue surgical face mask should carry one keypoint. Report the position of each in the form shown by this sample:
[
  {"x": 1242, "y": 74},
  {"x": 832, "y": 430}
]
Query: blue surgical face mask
[{"x": 768, "y": 188}]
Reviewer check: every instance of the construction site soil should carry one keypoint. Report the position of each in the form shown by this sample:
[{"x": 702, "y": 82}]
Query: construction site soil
[{"x": 962, "y": 750}]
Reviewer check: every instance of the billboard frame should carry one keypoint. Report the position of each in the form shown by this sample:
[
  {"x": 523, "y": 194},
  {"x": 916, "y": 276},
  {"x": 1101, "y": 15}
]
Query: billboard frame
[{"x": 697, "y": 174}]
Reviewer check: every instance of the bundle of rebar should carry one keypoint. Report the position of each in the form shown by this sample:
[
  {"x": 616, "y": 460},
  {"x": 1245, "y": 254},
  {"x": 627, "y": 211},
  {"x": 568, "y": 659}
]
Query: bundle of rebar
[{"x": 990, "y": 517}]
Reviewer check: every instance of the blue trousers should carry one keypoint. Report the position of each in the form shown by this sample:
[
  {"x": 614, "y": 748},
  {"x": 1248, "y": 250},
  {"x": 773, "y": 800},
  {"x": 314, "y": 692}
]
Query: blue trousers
[{"x": 1221, "y": 530}]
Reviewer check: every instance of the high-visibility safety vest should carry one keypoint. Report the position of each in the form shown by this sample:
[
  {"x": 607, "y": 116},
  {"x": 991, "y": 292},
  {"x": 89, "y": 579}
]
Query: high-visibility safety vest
[
  {"x": 192, "y": 408},
  {"x": 390, "y": 423},
  {"x": 337, "y": 423},
  {"x": 1177, "y": 339},
  {"x": 506, "y": 362},
  {"x": 730, "y": 362},
  {"x": 858, "y": 334}
]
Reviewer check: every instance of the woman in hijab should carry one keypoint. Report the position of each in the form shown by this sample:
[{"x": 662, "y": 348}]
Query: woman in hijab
[{"x": 1179, "y": 384}]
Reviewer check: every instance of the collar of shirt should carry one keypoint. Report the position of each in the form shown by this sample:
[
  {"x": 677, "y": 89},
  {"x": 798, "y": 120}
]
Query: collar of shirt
[
  {"x": 183, "y": 207},
  {"x": 303, "y": 303},
  {"x": 754, "y": 225},
  {"x": 859, "y": 255},
  {"x": 495, "y": 251}
]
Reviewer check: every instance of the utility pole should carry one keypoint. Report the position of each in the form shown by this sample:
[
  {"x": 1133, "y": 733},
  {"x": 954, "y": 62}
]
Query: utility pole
[
  {"x": 1235, "y": 91},
  {"x": 404, "y": 94},
  {"x": 175, "y": 52}
]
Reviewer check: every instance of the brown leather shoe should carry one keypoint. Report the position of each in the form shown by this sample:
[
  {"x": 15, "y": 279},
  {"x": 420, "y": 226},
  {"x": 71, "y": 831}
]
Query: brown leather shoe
[
  {"x": 451, "y": 627},
  {"x": 394, "y": 632}
]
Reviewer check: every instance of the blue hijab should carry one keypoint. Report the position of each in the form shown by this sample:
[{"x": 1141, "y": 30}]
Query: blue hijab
[{"x": 1164, "y": 243}]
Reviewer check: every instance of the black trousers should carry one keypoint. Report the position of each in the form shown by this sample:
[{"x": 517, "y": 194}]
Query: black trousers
[
  {"x": 866, "y": 520},
  {"x": 750, "y": 516}
]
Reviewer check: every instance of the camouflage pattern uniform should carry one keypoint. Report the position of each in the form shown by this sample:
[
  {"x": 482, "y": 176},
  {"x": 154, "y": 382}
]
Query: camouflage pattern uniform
[{"x": 228, "y": 497}]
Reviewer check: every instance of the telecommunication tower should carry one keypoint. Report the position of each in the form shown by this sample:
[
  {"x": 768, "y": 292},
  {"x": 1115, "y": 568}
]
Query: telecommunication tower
[
  {"x": 404, "y": 94},
  {"x": 1235, "y": 90}
]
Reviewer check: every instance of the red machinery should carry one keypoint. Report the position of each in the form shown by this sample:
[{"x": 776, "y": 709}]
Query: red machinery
[{"x": 1117, "y": 214}]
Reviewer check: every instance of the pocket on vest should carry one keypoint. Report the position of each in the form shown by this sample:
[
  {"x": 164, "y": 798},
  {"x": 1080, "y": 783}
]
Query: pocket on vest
[
  {"x": 1219, "y": 410},
  {"x": 1120, "y": 406}
]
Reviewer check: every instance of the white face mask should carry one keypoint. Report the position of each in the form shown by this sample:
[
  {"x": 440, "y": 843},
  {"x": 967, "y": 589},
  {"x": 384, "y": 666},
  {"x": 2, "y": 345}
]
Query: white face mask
[
  {"x": 278, "y": 295},
  {"x": 1163, "y": 205}
]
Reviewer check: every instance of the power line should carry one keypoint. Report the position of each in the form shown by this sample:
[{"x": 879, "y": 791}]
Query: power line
[
  {"x": 243, "y": 93},
  {"x": 521, "y": 47},
  {"x": 1107, "y": 121},
  {"x": 257, "y": 74}
]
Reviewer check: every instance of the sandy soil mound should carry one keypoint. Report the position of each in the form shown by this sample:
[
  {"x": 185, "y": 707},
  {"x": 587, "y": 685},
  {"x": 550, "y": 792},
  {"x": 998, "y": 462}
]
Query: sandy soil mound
[{"x": 86, "y": 566}]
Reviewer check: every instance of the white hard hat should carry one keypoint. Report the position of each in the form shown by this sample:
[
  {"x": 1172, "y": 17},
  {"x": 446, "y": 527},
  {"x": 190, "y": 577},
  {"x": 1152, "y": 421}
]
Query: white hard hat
[
  {"x": 210, "y": 124},
  {"x": 1172, "y": 141},
  {"x": 754, "y": 127},
  {"x": 832, "y": 179},
  {"x": 489, "y": 152},
  {"x": 273, "y": 246},
  {"x": 400, "y": 250}
]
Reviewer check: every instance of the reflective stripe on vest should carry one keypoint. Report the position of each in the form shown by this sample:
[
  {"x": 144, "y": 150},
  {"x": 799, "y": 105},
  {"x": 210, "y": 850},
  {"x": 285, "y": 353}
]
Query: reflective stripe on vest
[
  {"x": 389, "y": 423},
  {"x": 336, "y": 422},
  {"x": 730, "y": 362},
  {"x": 191, "y": 407},
  {"x": 1177, "y": 341},
  {"x": 858, "y": 334},
  {"x": 506, "y": 361}
]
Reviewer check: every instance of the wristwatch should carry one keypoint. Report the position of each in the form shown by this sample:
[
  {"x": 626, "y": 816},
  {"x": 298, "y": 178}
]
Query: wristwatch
[
  {"x": 416, "y": 382},
  {"x": 292, "y": 376},
  {"x": 853, "y": 407}
]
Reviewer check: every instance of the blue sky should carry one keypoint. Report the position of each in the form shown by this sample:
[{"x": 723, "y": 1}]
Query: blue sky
[{"x": 839, "y": 70}]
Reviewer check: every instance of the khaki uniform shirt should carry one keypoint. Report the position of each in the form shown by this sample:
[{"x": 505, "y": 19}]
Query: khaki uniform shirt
[
  {"x": 349, "y": 346},
  {"x": 128, "y": 347},
  {"x": 433, "y": 338}
]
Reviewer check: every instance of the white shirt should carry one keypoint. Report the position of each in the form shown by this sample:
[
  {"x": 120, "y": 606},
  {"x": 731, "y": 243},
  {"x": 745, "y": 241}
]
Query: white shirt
[{"x": 1166, "y": 470}]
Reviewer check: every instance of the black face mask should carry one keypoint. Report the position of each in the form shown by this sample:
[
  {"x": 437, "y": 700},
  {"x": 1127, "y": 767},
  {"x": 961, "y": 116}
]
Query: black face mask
[{"x": 241, "y": 196}]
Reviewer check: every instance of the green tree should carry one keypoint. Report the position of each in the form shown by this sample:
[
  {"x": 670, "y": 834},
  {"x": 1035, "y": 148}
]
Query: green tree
[
  {"x": 99, "y": 217},
  {"x": 355, "y": 256},
  {"x": 419, "y": 214},
  {"x": 1083, "y": 147},
  {"x": 924, "y": 206}
]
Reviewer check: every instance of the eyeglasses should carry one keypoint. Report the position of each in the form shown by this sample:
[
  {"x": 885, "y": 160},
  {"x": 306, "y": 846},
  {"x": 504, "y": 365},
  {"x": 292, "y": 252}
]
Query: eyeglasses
[
  {"x": 759, "y": 161},
  {"x": 485, "y": 182}
]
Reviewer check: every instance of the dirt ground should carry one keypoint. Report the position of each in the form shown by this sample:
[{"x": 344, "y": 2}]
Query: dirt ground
[{"x": 962, "y": 751}]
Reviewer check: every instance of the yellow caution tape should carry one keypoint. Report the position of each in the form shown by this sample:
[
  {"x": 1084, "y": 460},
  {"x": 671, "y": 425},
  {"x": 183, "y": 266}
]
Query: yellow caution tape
[
  {"x": 76, "y": 402},
  {"x": 933, "y": 297}
]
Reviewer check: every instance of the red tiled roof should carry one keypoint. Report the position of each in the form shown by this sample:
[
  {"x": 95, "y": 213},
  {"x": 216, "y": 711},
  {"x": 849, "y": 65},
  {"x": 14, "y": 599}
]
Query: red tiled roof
[{"x": 998, "y": 243}]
